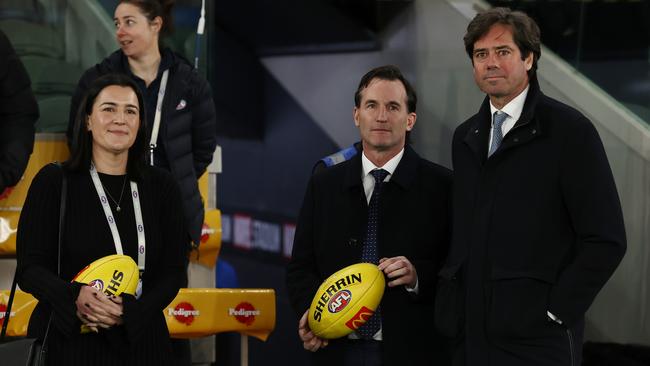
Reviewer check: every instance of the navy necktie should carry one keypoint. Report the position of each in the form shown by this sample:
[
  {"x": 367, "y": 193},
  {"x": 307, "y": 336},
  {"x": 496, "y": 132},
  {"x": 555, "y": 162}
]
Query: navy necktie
[
  {"x": 370, "y": 253},
  {"x": 497, "y": 134}
]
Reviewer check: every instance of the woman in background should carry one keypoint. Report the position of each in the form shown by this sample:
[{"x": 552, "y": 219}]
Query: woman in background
[
  {"x": 107, "y": 162},
  {"x": 187, "y": 135}
]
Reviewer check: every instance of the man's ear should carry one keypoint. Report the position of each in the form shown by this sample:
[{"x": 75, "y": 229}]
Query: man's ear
[
  {"x": 410, "y": 121},
  {"x": 528, "y": 61},
  {"x": 355, "y": 116}
]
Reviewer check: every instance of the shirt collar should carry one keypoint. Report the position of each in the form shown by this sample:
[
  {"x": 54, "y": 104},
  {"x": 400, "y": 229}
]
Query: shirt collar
[
  {"x": 390, "y": 166},
  {"x": 514, "y": 108}
]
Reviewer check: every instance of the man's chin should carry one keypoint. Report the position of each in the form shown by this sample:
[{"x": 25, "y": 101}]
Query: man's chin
[
  {"x": 495, "y": 92},
  {"x": 381, "y": 146}
]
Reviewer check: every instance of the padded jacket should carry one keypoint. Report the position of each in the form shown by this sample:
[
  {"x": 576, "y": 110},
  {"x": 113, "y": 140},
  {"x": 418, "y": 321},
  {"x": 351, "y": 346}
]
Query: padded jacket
[{"x": 188, "y": 129}]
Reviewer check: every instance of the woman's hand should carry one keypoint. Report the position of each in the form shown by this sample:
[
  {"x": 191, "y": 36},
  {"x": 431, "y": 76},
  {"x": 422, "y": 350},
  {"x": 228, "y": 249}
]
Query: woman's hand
[
  {"x": 95, "y": 309},
  {"x": 92, "y": 326}
]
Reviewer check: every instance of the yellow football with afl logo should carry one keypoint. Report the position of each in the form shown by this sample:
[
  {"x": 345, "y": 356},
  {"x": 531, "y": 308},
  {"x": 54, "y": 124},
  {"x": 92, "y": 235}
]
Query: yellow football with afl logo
[
  {"x": 346, "y": 300},
  {"x": 114, "y": 274}
]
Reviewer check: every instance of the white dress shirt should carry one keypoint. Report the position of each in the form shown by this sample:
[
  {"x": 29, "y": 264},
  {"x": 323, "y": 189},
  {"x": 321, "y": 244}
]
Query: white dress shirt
[
  {"x": 367, "y": 166},
  {"x": 513, "y": 109}
]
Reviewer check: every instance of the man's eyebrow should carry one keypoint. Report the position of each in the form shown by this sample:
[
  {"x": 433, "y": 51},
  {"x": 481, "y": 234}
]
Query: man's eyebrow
[{"x": 501, "y": 47}]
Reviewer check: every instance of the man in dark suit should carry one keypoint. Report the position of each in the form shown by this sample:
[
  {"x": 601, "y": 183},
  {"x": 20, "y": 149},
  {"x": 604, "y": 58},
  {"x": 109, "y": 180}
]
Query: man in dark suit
[
  {"x": 412, "y": 231},
  {"x": 537, "y": 223}
]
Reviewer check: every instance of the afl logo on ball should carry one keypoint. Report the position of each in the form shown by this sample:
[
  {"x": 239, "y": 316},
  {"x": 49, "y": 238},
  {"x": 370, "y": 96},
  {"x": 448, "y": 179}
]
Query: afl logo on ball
[
  {"x": 97, "y": 284},
  {"x": 339, "y": 301}
]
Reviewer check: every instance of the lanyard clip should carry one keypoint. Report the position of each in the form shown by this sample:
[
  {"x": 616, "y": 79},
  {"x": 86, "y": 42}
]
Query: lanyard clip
[{"x": 152, "y": 147}]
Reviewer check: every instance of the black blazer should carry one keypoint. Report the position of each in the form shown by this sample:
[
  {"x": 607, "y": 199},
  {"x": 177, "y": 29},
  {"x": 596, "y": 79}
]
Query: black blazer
[
  {"x": 540, "y": 218},
  {"x": 413, "y": 223}
]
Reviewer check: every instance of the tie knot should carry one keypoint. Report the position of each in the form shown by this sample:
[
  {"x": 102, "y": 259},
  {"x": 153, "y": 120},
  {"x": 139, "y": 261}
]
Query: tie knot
[
  {"x": 499, "y": 118},
  {"x": 379, "y": 175}
]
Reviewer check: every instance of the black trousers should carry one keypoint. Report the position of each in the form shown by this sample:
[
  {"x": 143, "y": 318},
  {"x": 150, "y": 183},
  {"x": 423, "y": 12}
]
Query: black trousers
[
  {"x": 349, "y": 352},
  {"x": 562, "y": 349}
]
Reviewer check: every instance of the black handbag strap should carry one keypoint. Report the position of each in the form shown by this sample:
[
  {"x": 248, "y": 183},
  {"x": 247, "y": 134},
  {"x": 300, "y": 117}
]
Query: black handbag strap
[
  {"x": 64, "y": 195},
  {"x": 5, "y": 319}
]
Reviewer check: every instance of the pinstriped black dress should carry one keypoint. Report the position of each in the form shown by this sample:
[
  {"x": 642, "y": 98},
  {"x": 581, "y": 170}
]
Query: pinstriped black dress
[{"x": 143, "y": 338}]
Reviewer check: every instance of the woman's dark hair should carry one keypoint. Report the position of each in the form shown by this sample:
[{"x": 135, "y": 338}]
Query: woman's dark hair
[
  {"x": 81, "y": 149},
  {"x": 525, "y": 32},
  {"x": 156, "y": 8}
]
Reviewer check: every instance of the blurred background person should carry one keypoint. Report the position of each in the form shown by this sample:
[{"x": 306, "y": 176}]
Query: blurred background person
[{"x": 18, "y": 113}]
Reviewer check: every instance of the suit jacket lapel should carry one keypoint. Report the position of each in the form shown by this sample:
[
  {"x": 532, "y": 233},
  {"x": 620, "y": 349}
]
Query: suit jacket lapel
[
  {"x": 357, "y": 205},
  {"x": 394, "y": 193},
  {"x": 527, "y": 126},
  {"x": 478, "y": 135},
  {"x": 406, "y": 171}
]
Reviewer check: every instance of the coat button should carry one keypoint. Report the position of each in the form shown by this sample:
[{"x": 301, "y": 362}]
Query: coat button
[
  {"x": 476, "y": 131},
  {"x": 516, "y": 139},
  {"x": 534, "y": 131}
]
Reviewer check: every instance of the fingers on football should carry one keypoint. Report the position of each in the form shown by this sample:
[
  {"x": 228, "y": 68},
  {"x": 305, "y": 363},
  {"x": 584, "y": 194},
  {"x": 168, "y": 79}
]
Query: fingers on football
[
  {"x": 96, "y": 307},
  {"x": 315, "y": 343},
  {"x": 391, "y": 265}
]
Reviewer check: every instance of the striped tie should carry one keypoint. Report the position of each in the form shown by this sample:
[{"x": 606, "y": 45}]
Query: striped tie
[{"x": 497, "y": 134}]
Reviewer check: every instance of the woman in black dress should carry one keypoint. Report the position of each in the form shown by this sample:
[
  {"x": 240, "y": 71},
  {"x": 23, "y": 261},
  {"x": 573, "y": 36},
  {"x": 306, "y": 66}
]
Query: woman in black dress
[{"x": 108, "y": 180}]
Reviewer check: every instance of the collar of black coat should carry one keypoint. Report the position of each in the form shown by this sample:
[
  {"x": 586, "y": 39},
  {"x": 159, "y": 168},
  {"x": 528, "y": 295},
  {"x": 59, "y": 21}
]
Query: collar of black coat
[
  {"x": 403, "y": 176},
  {"x": 525, "y": 129},
  {"x": 117, "y": 62},
  {"x": 167, "y": 60}
]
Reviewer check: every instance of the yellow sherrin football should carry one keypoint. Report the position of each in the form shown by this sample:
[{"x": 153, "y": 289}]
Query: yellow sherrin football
[
  {"x": 114, "y": 274},
  {"x": 346, "y": 300}
]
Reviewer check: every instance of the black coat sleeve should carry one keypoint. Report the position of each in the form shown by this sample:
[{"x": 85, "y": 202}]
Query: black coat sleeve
[
  {"x": 592, "y": 201},
  {"x": 427, "y": 268},
  {"x": 204, "y": 126},
  {"x": 302, "y": 276},
  {"x": 18, "y": 113},
  {"x": 37, "y": 245}
]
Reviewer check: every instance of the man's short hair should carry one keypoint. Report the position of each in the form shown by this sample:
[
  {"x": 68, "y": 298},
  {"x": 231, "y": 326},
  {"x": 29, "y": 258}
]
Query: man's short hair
[
  {"x": 525, "y": 32},
  {"x": 387, "y": 72}
]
